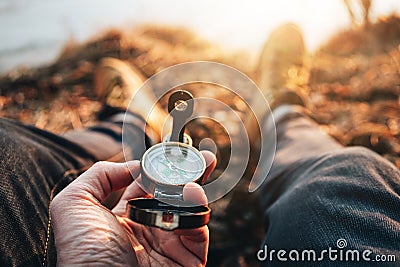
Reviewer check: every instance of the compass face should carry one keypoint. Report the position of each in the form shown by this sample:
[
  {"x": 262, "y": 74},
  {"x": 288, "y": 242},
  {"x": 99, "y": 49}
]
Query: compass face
[{"x": 173, "y": 163}]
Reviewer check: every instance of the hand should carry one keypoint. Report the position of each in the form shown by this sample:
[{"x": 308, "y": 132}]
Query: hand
[{"x": 86, "y": 232}]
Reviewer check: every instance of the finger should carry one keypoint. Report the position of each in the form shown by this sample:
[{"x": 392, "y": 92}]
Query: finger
[
  {"x": 134, "y": 190},
  {"x": 185, "y": 253},
  {"x": 211, "y": 162},
  {"x": 103, "y": 178},
  {"x": 196, "y": 241},
  {"x": 196, "y": 235},
  {"x": 194, "y": 193}
]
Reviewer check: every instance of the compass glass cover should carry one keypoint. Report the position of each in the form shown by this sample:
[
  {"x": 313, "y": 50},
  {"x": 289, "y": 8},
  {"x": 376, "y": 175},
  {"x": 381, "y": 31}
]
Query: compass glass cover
[{"x": 173, "y": 164}]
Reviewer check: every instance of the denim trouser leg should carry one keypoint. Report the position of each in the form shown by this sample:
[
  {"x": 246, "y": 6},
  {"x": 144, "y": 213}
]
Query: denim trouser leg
[
  {"x": 319, "y": 192},
  {"x": 34, "y": 166}
]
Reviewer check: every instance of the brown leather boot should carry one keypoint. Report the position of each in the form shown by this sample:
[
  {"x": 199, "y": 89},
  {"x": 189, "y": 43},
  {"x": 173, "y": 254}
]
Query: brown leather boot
[{"x": 118, "y": 84}]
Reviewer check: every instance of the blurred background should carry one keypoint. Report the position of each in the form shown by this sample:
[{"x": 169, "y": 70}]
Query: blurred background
[
  {"x": 50, "y": 48},
  {"x": 34, "y": 31}
]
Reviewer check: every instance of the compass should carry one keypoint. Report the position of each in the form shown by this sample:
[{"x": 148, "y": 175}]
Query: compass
[
  {"x": 166, "y": 168},
  {"x": 173, "y": 164}
]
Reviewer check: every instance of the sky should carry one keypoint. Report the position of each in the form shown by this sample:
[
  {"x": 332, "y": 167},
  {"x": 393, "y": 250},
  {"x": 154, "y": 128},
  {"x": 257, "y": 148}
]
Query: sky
[{"x": 34, "y": 31}]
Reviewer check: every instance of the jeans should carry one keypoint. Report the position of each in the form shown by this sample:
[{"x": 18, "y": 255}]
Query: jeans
[
  {"x": 316, "y": 193},
  {"x": 320, "y": 195},
  {"x": 35, "y": 165}
]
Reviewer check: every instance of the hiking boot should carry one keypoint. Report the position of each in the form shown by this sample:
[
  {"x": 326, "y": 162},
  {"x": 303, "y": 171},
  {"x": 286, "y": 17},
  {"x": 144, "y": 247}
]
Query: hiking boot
[
  {"x": 117, "y": 81},
  {"x": 281, "y": 74}
]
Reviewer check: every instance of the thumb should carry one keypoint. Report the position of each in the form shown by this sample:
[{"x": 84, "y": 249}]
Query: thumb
[{"x": 103, "y": 178}]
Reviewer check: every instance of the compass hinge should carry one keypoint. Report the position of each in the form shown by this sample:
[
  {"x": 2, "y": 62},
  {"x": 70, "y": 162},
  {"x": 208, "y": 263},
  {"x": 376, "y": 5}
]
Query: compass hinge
[{"x": 160, "y": 195}]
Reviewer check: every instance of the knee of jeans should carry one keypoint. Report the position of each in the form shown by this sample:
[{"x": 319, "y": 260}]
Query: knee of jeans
[
  {"x": 355, "y": 152},
  {"x": 358, "y": 163}
]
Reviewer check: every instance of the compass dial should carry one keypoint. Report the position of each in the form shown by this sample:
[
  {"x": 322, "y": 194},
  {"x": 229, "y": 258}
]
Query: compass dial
[{"x": 173, "y": 163}]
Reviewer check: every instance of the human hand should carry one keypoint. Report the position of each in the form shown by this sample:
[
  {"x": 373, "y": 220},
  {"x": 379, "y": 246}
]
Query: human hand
[{"x": 87, "y": 233}]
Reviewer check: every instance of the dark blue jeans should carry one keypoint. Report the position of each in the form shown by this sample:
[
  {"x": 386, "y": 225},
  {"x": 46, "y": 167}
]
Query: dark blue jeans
[
  {"x": 320, "y": 196},
  {"x": 317, "y": 192}
]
